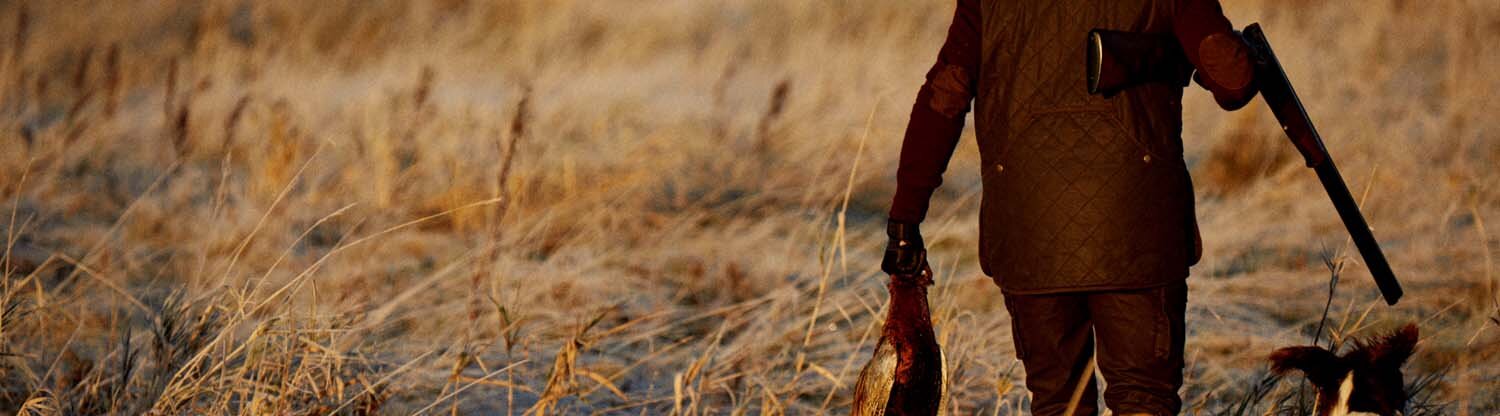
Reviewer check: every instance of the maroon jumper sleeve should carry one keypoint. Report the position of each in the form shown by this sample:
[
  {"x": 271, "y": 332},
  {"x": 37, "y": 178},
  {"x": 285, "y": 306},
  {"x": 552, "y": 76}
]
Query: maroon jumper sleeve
[
  {"x": 937, "y": 117},
  {"x": 1220, "y": 54}
]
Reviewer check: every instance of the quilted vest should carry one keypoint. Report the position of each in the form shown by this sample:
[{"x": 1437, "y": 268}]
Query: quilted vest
[{"x": 1081, "y": 192}]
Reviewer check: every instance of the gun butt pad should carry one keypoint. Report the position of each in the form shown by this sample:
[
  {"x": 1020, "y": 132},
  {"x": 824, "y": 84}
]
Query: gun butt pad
[{"x": 1118, "y": 60}]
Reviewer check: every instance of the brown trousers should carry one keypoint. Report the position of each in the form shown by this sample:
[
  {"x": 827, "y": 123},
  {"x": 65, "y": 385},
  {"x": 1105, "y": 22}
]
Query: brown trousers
[{"x": 1140, "y": 338}]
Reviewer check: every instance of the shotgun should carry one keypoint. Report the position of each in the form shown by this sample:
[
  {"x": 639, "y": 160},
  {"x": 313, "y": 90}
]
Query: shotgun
[
  {"x": 1117, "y": 61},
  {"x": 1282, "y": 98}
]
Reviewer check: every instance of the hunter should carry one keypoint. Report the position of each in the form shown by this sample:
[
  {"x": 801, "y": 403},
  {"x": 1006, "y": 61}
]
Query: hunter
[{"x": 1087, "y": 222}]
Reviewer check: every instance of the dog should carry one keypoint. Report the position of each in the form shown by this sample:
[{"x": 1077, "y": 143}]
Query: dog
[{"x": 1364, "y": 381}]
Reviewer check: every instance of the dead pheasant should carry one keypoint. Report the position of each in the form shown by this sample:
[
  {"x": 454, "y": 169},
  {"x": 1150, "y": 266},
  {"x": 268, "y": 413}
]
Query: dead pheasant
[{"x": 907, "y": 375}]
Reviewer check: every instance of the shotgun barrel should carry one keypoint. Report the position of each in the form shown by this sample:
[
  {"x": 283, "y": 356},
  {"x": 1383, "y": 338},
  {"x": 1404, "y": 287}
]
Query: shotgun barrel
[{"x": 1278, "y": 93}]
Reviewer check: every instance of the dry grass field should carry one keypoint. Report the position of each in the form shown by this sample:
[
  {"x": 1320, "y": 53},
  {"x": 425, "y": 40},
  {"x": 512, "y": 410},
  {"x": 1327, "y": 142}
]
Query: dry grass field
[{"x": 662, "y": 207}]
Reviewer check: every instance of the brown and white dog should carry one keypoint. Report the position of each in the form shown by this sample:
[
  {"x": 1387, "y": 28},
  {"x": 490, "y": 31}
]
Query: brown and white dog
[{"x": 1366, "y": 380}]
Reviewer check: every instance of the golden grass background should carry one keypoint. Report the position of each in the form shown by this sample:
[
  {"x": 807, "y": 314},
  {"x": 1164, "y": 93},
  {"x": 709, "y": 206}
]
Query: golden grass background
[{"x": 663, "y": 207}]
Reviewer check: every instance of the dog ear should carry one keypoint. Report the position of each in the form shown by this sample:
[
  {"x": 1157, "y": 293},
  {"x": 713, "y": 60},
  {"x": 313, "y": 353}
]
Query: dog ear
[
  {"x": 1391, "y": 351},
  {"x": 1316, "y": 363}
]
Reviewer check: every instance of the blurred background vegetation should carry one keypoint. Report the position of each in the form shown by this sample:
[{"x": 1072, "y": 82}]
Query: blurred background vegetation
[{"x": 673, "y": 206}]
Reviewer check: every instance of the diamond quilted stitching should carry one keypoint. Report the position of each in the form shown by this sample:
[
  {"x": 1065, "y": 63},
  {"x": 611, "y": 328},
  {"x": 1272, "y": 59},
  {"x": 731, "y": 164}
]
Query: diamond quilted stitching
[{"x": 1075, "y": 202}]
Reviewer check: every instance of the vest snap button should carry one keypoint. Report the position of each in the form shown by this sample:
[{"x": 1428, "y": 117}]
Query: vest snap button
[
  {"x": 1147, "y": 158},
  {"x": 999, "y": 168}
]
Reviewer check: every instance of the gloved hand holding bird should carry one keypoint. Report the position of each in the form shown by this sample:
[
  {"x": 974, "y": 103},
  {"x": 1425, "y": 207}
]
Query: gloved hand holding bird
[{"x": 908, "y": 374}]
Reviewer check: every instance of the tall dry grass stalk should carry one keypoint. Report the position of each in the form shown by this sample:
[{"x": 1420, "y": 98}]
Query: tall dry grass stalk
[
  {"x": 18, "y": 40},
  {"x": 599, "y": 208},
  {"x": 517, "y": 133},
  {"x": 773, "y": 111}
]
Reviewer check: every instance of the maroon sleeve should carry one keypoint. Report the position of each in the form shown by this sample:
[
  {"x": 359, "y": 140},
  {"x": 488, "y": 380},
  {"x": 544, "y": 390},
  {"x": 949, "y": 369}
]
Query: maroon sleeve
[
  {"x": 1220, "y": 54},
  {"x": 937, "y": 118}
]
